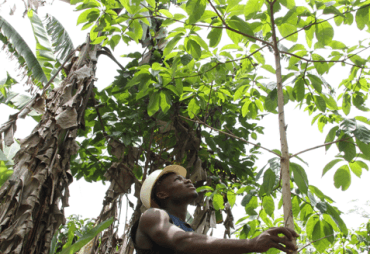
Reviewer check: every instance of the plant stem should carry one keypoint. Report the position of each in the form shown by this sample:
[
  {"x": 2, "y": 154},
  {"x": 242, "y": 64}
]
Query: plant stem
[{"x": 284, "y": 161}]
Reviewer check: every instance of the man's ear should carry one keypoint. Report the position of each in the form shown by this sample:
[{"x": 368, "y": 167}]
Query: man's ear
[{"x": 162, "y": 195}]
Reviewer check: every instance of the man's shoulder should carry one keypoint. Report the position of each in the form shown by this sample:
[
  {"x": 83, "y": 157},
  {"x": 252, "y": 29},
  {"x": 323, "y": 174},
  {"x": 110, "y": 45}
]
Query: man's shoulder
[{"x": 153, "y": 216}]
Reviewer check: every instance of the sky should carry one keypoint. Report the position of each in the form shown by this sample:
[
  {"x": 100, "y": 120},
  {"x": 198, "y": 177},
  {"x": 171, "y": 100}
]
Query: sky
[{"x": 86, "y": 198}]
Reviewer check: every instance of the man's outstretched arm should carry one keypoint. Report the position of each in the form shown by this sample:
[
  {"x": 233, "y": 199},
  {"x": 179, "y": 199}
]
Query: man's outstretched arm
[{"x": 155, "y": 224}]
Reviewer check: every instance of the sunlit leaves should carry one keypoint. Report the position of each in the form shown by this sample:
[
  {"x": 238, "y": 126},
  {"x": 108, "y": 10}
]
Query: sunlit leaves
[
  {"x": 240, "y": 25},
  {"x": 324, "y": 32},
  {"x": 300, "y": 177},
  {"x": 330, "y": 136},
  {"x": 248, "y": 197},
  {"x": 195, "y": 9},
  {"x": 330, "y": 165},
  {"x": 251, "y": 8},
  {"x": 214, "y": 37},
  {"x": 153, "y": 105},
  {"x": 269, "y": 205},
  {"x": 171, "y": 44},
  {"x": 346, "y": 103},
  {"x": 322, "y": 235},
  {"x": 362, "y": 17},
  {"x": 288, "y": 30},
  {"x": 193, "y": 108},
  {"x": 342, "y": 178},
  {"x": 268, "y": 181},
  {"x": 193, "y": 48},
  {"x": 299, "y": 89},
  {"x": 218, "y": 201},
  {"x": 90, "y": 15},
  {"x": 320, "y": 64}
]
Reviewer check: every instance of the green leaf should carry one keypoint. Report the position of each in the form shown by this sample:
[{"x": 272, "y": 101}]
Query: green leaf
[
  {"x": 269, "y": 68},
  {"x": 321, "y": 66},
  {"x": 90, "y": 15},
  {"x": 240, "y": 25},
  {"x": 299, "y": 89},
  {"x": 269, "y": 205},
  {"x": 356, "y": 168},
  {"x": 346, "y": 103},
  {"x": 204, "y": 188},
  {"x": 342, "y": 178},
  {"x": 362, "y": 17},
  {"x": 320, "y": 103},
  {"x": 329, "y": 166},
  {"x": 70, "y": 235},
  {"x": 271, "y": 101},
  {"x": 316, "y": 82},
  {"x": 245, "y": 108},
  {"x": 268, "y": 181},
  {"x": 153, "y": 105},
  {"x": 311, "y": 223},
  {"x": 88, "y": 237},
  {"x": 231, "y": 197},
  {"x": 364, "y": 148},
  {"x": 193, "y": 108},
  {"x": 293, "y": 60},
  {"x": 324, "y": 32},
  {"x": 300, "y": 177},
  {"x": 320, "y": 234},
  {"x": 4, "y": 173},
  {"x": 60, "y": 38},
  {"x": 214, "y": 37},
  {"x": 165, "y": 103},
  {"x": 251, "y": 8},
  {"x": 330, "y": 137},
  {"x": 218, "y": 201},
  {"x": 21, "y": 47},
  {"x": 195, "y": 9},
  {"x": 248, "y": 197},
  {"x": 337, "y": 45},
  {"x": 171, "y": 44},
  {"x": 194, "y": 49},
  {"x": 287, "y": 3},
  {"x": 286, "y": 29},
  {"x": 362, "y": 134},
  {"x": 335, "y": 216}
]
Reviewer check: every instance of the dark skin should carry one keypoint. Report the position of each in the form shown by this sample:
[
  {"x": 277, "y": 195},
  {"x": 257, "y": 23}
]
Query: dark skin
[{"x": 177, "y": 193}]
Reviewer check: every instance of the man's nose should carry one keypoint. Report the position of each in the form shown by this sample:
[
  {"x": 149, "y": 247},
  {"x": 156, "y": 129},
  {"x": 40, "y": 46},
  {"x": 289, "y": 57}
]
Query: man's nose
[{"x": 188, "y": 181}]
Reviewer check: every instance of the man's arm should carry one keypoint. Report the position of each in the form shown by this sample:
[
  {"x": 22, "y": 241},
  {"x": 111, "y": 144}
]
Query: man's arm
[{"x": 155, "y": 224}]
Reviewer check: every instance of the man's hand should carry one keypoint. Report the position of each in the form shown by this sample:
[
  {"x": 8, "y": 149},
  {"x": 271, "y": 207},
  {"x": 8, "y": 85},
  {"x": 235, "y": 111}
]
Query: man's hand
[{"x": 270, "y": 239}]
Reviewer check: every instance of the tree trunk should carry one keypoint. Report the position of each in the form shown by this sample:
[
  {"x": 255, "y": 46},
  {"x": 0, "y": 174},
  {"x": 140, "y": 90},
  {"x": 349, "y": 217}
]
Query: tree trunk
[
  {"x": 30, "y": 210},
  {"x": 284, "y": 162}
]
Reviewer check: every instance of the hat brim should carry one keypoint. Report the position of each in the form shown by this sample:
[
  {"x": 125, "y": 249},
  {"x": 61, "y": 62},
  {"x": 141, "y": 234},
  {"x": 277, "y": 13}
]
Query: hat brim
[{"x": 148, "y": 189}]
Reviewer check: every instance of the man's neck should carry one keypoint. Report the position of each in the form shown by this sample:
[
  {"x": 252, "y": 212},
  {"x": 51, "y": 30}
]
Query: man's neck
[{"x": 178, "y": 210}]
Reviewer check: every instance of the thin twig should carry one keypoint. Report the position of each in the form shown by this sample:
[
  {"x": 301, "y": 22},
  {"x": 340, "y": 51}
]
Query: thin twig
[
  {"x": 313, "y": 148},
  {"x": 56, "y": 74},
  {"x": 236, "y": 31},
  {"x": 228, "y": 134},
  {"x": 314, "y": 241}
]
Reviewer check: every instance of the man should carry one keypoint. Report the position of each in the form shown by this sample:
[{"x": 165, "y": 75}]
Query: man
[{"x": 163, "y": 229}]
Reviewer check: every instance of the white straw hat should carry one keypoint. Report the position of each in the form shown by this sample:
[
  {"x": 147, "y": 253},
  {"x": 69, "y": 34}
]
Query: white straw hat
[{"x": 147, "y": 187}]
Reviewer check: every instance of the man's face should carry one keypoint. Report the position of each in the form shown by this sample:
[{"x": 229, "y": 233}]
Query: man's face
[{"x": 178, "y": 189}]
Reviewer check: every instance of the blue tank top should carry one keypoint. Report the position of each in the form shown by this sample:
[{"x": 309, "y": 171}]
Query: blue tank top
[{"x": 157, "y": 249}]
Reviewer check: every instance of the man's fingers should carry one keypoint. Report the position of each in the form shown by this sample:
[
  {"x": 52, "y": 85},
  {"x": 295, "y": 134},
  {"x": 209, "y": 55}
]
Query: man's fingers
[
  {"x": 285, "y": 241},
  {"x": 280, "y": 247},
  {"x": 290, "y": 233}
]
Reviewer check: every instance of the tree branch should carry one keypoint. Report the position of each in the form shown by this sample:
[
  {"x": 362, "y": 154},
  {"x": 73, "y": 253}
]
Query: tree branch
[
  {"x": 228, "y": 134},
  {"x": 314, "y": 241},
  {"x": 236, "y": 31},
  {"x": 313, "y": 148},
  {"x": 316, "y": 23}
]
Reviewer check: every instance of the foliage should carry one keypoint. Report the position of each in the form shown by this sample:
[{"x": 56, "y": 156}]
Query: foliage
[
  {"x": 192, "y": 100},
  {"x": 76, "y": 233}
]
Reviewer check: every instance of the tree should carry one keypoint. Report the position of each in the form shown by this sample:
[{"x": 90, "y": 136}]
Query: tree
[{"x": 180, "y": 105}]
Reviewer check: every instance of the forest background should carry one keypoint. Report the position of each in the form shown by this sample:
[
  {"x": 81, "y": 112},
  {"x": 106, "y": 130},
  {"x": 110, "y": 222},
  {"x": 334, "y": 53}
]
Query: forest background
[{"x": 86, "y": 198}]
